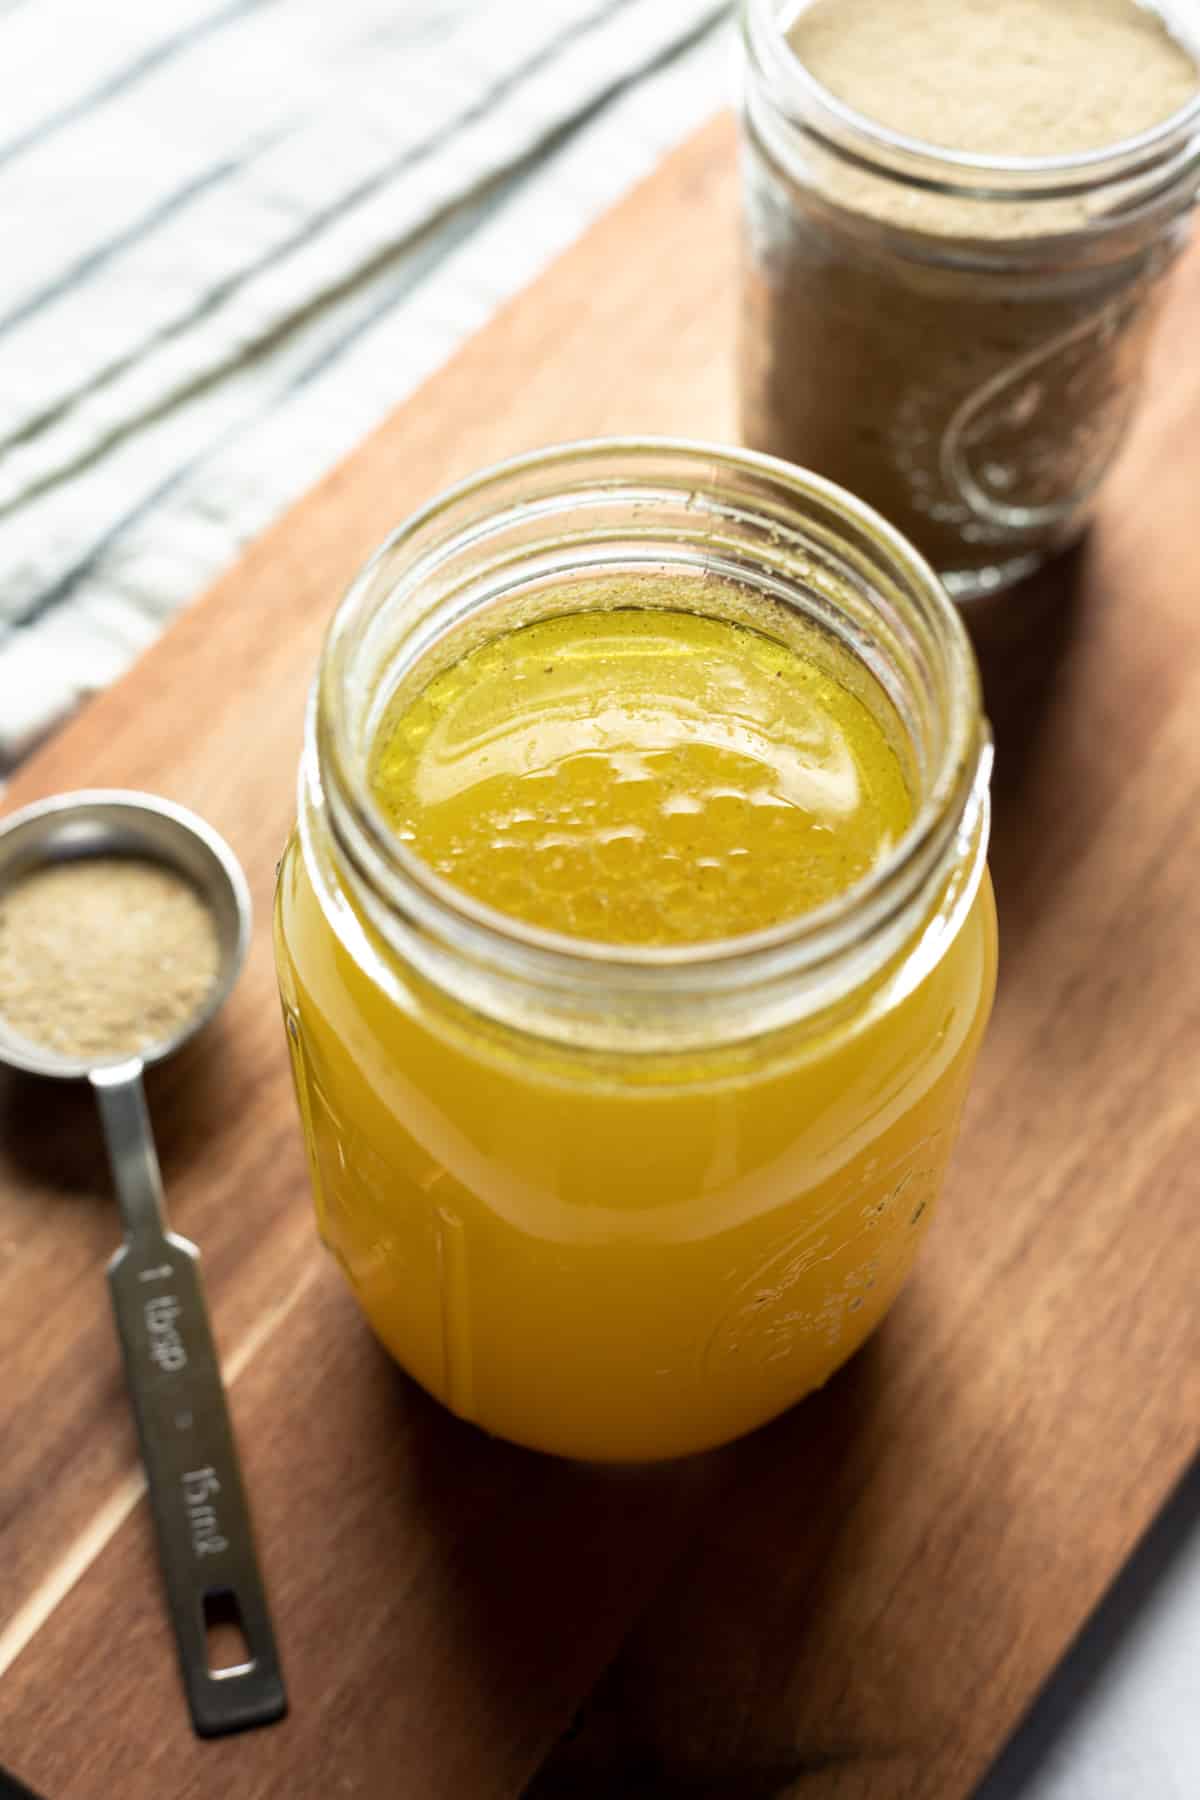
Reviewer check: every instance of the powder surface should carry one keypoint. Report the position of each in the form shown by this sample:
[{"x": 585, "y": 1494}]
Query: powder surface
[
  {"x": 642, "y": 777},
  {"x": 104, "y": 956},
  {"x": 1000, "y": 77}
]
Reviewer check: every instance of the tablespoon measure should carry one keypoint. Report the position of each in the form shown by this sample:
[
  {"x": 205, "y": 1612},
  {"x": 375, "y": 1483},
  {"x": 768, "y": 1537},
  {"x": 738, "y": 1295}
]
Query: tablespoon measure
[{"x": 202, "y": 1520}]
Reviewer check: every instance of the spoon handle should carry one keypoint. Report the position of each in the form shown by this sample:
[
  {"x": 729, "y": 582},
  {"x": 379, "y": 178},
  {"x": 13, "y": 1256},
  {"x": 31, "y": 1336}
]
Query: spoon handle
[{"x": 205, "y": 1538}]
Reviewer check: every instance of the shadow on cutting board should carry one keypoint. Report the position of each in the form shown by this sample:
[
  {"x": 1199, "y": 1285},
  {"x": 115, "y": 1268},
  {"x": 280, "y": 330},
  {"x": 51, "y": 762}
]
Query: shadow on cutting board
[
  {"x": 728, "y": 1686},
  {"x": 1071, "y": 1695},
  {"x": 50, "y": 1130},
  {"x": 1028, "y": 641},
  {"x": 12, "y": 1789}
]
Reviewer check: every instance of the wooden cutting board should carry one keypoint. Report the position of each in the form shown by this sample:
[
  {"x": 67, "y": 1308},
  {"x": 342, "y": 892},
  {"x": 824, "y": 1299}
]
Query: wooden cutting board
[{"x": 859, "y": 1601}]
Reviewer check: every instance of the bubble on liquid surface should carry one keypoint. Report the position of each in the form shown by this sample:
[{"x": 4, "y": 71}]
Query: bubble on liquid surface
[{"x": 642, "y": 777}]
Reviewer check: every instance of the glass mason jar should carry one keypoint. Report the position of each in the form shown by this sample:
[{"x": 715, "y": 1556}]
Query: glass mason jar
[
  {"x": 957, "y": 338},
  {"x": 626, "y": 1203}
]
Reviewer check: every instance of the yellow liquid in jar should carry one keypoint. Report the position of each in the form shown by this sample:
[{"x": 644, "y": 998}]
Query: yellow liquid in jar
[
  {"x": 626, "y": 1257},
  {"x": 642, "y": 777}
]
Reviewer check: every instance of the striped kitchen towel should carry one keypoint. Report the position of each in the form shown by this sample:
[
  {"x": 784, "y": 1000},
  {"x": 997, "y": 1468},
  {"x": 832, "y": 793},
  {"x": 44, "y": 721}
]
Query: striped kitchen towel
[{"x": 239, "y": 233}]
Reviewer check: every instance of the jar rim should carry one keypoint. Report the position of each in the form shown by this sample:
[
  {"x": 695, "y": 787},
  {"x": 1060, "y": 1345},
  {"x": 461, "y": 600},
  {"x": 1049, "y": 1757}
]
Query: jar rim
[
  {"x": 1174, "y": 142},
  {"x": 952, "y": 810}
]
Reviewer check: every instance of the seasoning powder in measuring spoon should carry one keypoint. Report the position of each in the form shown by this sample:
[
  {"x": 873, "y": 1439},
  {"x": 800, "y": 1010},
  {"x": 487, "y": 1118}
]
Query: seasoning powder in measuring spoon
[
  {"x": 108, "y": 961},
  {"x": 105, "y": 956}
]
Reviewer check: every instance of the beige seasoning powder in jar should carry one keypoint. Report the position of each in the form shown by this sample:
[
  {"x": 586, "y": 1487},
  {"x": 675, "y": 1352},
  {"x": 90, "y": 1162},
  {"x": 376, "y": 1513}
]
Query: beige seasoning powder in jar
[
  {"x": 960, "y": 346},
  {"x": 102, "y": 957},
  {"x": 999, "y": 77}
]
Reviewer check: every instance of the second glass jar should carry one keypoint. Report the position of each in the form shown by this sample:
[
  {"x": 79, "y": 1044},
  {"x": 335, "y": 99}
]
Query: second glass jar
[{"x": 957, "y": 338}]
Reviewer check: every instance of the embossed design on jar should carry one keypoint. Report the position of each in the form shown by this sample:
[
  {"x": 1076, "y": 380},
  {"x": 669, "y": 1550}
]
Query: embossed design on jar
[
  {"x": 338, "y": 1155},
  {"x": 873, "y": 1227},
  {"x": 304, "y": 1098},
  {"x": 1030, "y": 447},
  {"x": 458, "y": 1363},
  {"x": 343, "y": 1162}
]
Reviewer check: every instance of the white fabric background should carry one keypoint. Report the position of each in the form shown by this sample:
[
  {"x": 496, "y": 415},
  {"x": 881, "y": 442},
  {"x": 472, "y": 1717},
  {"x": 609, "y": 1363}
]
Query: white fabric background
[{"x": 235, "y": 233}]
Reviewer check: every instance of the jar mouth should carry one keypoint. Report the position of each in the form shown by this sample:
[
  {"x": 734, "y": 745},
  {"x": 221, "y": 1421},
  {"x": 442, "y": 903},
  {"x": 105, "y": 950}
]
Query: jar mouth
[
  {"x": 1162, "y": 152},
  {"x": 710, "y": 501}
]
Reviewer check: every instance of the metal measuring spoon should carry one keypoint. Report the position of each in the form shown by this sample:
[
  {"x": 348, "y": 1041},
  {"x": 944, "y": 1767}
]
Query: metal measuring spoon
[{"x": 205, "y": 1540}]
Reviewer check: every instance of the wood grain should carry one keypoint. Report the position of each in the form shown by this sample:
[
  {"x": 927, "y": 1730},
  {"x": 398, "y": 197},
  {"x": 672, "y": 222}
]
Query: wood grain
[{"x": 859, "y": 1601}]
